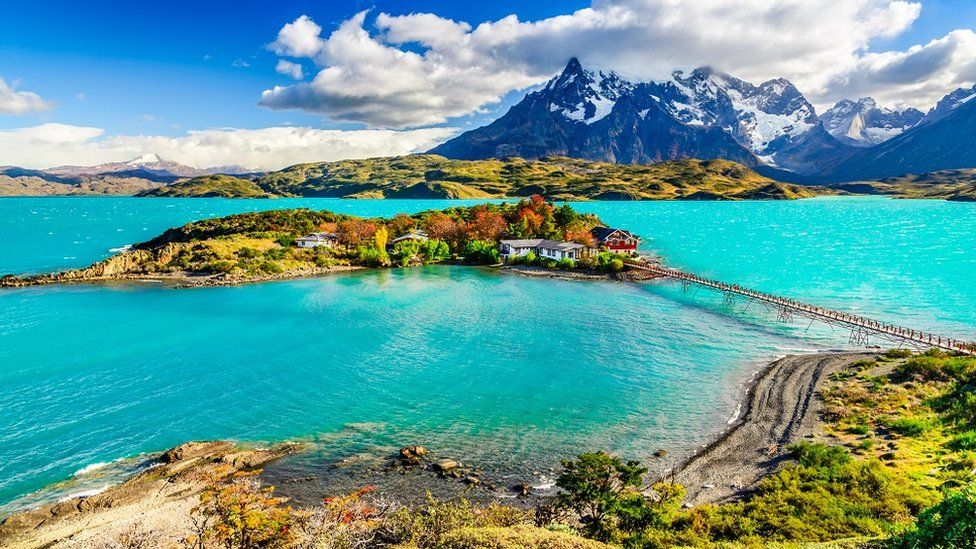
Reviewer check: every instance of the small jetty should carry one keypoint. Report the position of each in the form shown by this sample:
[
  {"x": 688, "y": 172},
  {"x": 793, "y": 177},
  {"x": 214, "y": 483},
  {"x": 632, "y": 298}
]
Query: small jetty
[{"x": 862, "y": 328}]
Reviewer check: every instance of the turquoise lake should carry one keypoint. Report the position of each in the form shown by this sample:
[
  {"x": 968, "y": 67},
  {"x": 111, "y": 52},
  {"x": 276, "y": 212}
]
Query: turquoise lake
[{"x": 505, "y": 372}]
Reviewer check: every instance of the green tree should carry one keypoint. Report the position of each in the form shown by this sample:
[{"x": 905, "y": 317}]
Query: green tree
[{"x": 601, "y": 488}]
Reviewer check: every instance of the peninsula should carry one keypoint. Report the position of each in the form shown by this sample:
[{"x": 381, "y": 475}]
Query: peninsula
[{"x": 253, "y": 247}]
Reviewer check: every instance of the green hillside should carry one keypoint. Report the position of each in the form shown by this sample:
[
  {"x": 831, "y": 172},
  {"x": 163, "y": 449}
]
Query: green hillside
[{"x": 432, "y": 176}]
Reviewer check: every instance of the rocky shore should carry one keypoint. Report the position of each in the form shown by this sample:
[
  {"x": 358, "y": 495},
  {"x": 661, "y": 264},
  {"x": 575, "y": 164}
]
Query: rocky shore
[
  {"x": 159, "y": 498},
  {"x": 781, "y": 408}
]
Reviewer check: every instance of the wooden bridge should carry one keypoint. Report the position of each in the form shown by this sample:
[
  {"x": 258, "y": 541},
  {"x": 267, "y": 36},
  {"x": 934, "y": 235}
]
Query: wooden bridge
[{"x": 862, "y": 328}]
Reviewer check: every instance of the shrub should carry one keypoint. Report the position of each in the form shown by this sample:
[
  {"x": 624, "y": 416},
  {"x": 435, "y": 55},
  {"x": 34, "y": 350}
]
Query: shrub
[
  {"x": 270, "y": 267},
  {"x": 547, "y": 263},
  {"x": 951, "y": 523},
  {"x": 518, "y": 537},
  {"x": 616, "y": 264},
  {"x": 964, "y": 441},
  {"x": 285, "y": 240},
  {"x": 909, "y": 426},
  {"x": 898, "y": 353},
  {"x": 372, "y": 257},
  {"x": 435, "y": 250},
  {"x": 858, "y": 429},
  {"x": 531, "y": 258},
  {"x": 481, "y": 251},
  {"x": 566, "y": 264},
  {"x": 248, "y": 253},
  {"x": 598, "y": 488},
  {"x": 243, "y": 514}
]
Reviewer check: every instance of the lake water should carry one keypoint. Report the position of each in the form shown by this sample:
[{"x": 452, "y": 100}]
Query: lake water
[{"x": 507, "y": 373}]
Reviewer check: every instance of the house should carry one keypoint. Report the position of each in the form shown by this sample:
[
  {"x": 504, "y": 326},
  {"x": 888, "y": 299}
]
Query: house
[
  {"x": 317, "y": 239},
  {"x": 616, "y": 240},
  {"x": 412, "y": 236},
  {"x": 541, "y": 247}
]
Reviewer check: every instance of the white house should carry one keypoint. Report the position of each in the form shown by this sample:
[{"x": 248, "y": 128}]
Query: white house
[
  {"x": 541, "y": 247},
  {"x": 317, "y": 239},
  {"x": 412, "y": 236}
]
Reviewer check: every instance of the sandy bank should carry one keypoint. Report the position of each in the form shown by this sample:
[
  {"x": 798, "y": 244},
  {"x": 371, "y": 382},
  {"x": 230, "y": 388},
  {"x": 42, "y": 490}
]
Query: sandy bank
[{"x": 781, "y": 408}]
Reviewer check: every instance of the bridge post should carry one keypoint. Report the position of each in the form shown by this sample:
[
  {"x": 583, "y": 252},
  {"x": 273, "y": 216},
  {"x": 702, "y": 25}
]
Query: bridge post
[
  {"x": 729, "y": 300},
  {"x": 859, "y": 337},
  {"x": 785, "y": 314}
]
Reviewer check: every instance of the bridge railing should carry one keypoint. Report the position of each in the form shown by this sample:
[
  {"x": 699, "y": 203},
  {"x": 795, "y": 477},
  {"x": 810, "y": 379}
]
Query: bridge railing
[{"x": 916, "y": 336}]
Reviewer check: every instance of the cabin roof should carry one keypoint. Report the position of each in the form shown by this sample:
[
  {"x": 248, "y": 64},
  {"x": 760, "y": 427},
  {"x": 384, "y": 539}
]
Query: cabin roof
[{"x": 603, "y": 233}]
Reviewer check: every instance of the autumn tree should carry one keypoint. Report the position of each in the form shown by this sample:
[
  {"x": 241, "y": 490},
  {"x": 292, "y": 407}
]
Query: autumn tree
[
  {"x": 486, "y": 224},
  {"x": 440, "y": 226},
  {"x": 380, "y": 237},
  {"x": 355, "y": 232},
  {"x": 401, "y": 224}
]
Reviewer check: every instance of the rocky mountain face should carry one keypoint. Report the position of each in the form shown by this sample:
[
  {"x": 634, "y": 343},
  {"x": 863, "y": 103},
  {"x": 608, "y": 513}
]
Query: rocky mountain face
[
  {"x": 863, "y": 123},
  {"x": 948, "y": 142},
  {"x": 703, "y": 114},
  {"x": 599, "y": 116}
]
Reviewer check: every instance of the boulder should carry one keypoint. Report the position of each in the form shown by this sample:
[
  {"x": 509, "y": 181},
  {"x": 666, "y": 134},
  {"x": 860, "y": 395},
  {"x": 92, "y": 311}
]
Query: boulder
[
  {"x": 412, "y": 455},
  {"x": 445, "y": 465}
]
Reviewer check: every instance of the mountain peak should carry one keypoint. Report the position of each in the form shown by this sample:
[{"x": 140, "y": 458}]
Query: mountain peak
[{"x": 148, "y": 158}]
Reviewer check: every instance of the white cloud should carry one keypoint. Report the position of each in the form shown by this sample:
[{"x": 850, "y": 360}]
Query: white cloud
[
  {"x": 50, "y": 145},
  {"x": 919, "y": 76},
  {"x": 20, "y": 102},
  {"x": 421, "y": 69},
  {"x": 288, "y": 68},
  {"x": 240, "y": 63}
]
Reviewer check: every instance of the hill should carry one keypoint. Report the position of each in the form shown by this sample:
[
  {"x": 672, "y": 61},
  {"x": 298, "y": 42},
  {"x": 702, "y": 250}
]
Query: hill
[
  {"x": 432, "y": 176},
  {"x": 954, "y": 185}
]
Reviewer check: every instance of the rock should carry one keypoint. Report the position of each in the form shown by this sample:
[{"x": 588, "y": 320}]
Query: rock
[
  {"x": 192, "y": 450},
  {"x": 523, "y": 489},
  {"x": 472, "y": 480},
  {"x": 888, "y": 456},
  {"x": 445, "y": 465},
  {"x": 660, "y": 453},
  {"x": 412, "y": 455}
]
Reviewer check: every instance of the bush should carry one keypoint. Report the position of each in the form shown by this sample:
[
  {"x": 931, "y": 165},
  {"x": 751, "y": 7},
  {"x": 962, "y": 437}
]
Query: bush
[
  {"x": 483, "y": 252},
  {"x": 898, "y": 353},
  {"x": 909, "y": 426},
  {"x": 616, "y": 265},
  {"x": 964, "y": 441},
  {"x": 547, "y": 263},
  {"x": 951, "y": 523},
  {"x": 371, "y": 257},
  {"x": 222, "y": 266},
  {"x": 285, "y": 240},
  {"x": 531, "y": 258},
  {"x": 565, "y": 264}
]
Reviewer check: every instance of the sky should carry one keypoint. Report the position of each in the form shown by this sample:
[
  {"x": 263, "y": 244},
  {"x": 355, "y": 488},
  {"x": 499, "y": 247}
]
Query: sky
[{"x": 268, "y": 84}]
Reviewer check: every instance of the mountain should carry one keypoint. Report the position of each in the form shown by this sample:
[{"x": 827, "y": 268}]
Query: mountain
[
  {"x": 946, "y": 143},
  {"x": 863, "y": 123},
  {"x": 148, "y": 166},
  {"x": 949, "y": 102},
  {"x": 431, "y": 176},
  {"x": 596, "y": 116},
  {"x": 704, "y": 114}
]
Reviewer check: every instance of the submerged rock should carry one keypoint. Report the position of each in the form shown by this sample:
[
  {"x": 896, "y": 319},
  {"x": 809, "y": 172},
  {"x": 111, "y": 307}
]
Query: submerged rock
[
  {"x": 412, "y": 455},
  {"x": 445, "y": 465}
]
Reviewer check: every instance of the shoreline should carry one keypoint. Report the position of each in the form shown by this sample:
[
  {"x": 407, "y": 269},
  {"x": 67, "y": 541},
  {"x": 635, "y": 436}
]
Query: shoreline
[{"x": 779, "y": 408}]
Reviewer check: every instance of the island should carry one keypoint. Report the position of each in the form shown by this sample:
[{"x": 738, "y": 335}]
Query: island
[{"x": 532, "y": 236}]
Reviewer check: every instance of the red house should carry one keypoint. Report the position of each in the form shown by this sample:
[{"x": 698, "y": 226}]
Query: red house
[{"x": 616, "y": 240}]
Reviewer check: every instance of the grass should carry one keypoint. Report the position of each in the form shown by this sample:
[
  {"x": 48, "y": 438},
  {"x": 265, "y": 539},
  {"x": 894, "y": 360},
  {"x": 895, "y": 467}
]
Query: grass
[{"x": 432, "y": 176}]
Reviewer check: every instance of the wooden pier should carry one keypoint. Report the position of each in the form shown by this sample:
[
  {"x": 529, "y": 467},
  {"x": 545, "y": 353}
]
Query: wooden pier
[{"x": 862, "y": 328}]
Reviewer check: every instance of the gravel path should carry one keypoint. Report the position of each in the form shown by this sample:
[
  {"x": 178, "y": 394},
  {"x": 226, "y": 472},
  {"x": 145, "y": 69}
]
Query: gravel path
[{"x": 781, "y": 408}]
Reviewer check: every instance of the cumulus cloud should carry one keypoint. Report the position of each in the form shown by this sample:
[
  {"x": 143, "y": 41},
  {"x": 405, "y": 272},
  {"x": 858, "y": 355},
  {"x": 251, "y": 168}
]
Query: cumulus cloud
[
  {"x": 919, "y": 76},
  {"x": 20, "y": 102},
  {"x": 50, "y": 145},
  {"x": 288, "y": 68},
  {"x": 420, "y": 69}
]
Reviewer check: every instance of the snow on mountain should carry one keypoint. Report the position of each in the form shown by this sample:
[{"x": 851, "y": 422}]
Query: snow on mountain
[
  {"x": 864, "y": 123},
  {"x": 950, "y": 102},
  {"x": 582, "y": 95}
]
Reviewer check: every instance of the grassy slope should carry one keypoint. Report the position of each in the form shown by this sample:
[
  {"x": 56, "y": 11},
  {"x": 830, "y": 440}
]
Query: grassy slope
[
  {"x": 431, "y": 176},
  {"x": 215, "y": 186},
  {"x": 955, "y": 185}
]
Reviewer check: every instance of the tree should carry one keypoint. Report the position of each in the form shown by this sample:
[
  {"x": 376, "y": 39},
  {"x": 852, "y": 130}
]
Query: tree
[
  {"x": 380, "y": 237},
  {"x": 401, "y": 224},
  {"x": 599, "y": 487},
  {"x": 951, "y": 523},
  {"x": 486, "y": 224},
  {"x": 440, "y": 226},
  {"x": 355, "y": 232}
]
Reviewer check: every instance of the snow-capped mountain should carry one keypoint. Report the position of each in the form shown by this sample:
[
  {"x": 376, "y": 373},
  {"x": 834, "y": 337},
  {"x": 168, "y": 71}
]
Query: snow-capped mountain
[
  {"x": 864, "y": 123},
  {"x": 763, "y": 118},
  {"x": 149, "y": 165},
  {"x": 596, "y": 116},
  {"x": 951, "y": 101}
]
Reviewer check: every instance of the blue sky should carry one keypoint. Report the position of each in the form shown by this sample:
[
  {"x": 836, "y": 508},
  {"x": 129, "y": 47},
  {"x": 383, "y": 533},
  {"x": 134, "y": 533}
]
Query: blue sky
[{"x": 164, "y": 69}]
